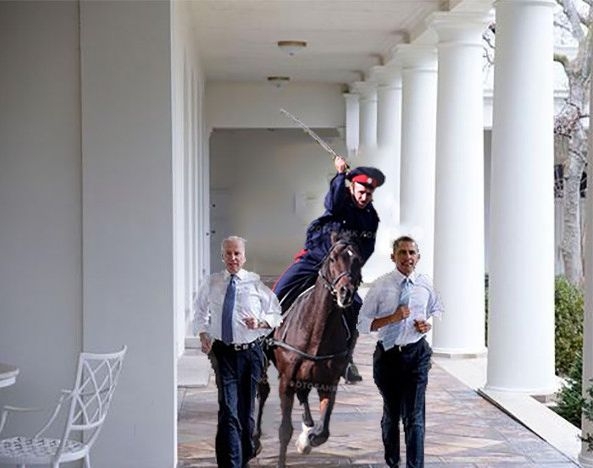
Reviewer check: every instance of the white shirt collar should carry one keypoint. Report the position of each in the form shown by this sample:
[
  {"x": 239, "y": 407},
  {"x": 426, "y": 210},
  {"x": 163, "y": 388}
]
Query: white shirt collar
[{"x": 400, "y": 276}]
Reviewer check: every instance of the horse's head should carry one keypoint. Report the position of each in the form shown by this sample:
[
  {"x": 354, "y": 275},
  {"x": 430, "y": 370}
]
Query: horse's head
[{"x": 341, "y": 270}]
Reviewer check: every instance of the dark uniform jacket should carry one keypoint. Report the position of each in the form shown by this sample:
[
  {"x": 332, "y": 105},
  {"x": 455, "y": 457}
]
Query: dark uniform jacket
[{"x": 342, "y": 215}]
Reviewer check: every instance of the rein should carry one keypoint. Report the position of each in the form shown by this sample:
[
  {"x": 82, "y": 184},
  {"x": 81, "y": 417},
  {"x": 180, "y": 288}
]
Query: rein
[
  {"x": 308, "y": 356},
  {"x": 331, "y": 287}
]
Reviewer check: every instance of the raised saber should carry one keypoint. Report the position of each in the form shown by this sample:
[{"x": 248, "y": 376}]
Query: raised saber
[{"x": 313, "y": 135}]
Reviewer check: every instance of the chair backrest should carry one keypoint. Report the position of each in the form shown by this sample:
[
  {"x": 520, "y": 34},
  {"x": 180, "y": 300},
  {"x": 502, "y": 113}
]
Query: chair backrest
[{"x": 96, "y": 379}]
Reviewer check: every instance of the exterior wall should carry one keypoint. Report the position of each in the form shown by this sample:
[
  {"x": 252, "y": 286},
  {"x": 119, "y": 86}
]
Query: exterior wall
[
  {"x": 273, "y": 182},
  {"x": 127, "y": 218},
  {"x": 86, "y": 194},
  {"x": 40, "y": 199},
  {"x": 255, "y": 105},
  {"x": 191, "y": 213}
]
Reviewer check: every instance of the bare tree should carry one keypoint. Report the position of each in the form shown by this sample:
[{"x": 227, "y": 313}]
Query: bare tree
[{"x": 570, "y": 134}]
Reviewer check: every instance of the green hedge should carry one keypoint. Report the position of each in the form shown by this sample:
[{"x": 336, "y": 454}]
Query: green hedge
[
  {"x": 569, "y": 305},
  {"x": 569, "y": 398}
]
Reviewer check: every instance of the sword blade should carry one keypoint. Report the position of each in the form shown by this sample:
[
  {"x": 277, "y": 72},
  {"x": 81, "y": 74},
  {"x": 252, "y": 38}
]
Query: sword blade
[{"x": 312, "y": 134}]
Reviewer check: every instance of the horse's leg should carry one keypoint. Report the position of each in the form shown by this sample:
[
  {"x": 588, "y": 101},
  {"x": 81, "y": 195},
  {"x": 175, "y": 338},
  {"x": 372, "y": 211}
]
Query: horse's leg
[
  {"x": 263, "y": 391},
  {"x": 302, "y": 444},
  {"x": 303, "y": 396},
  {"x": 320, "y": 432},
  {"x": 285, "y": 429}
]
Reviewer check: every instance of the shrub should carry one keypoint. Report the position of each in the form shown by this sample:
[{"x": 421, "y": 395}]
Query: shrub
[
  {"x": 569, "y": 398},
  {"x": 569, "y": 305}
]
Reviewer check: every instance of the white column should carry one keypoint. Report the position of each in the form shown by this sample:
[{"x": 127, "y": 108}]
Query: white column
[
  {"x": 419, "y": 89},
  {"x": 521, "y": 301},
  {"x": 459, "y": 203},
  {"x": 586, "y": 456},
  {"x": 352, "y": 123},
  {"x": 386, "y": 158},
  {"x": 368, "y": 116}
]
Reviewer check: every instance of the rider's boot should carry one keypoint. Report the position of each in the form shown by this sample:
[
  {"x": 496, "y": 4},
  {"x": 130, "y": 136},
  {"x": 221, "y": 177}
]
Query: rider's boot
[{"x": 351, "y": 374}]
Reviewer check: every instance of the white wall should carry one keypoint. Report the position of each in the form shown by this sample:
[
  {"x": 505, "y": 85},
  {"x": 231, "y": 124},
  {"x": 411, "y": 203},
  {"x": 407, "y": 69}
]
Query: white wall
[
  {"x": 276, "y": 180},
  {"x": 40, "y": 199},
  {"x": 188, "y": 167},
  {"x": 273, "y": 175},
  {"x": 86, "y": 211},
  {"x": 127, "y": 240},
  {"x": 257, "y": 105}
]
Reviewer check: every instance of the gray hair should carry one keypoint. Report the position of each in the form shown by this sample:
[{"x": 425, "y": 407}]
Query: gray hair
[{"x": 238, "y": 239}]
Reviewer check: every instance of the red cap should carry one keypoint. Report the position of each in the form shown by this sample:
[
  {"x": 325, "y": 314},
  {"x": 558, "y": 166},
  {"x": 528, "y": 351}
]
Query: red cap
[{"x": 365, "y": 180}]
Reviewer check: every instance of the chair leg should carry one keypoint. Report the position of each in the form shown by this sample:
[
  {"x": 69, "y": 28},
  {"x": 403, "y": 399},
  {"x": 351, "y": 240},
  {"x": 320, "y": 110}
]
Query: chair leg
[{"x": 87, "y": 461}]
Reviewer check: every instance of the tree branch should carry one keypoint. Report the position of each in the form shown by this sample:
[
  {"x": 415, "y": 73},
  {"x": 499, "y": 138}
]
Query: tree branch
[{"x": 573, "y": 18}]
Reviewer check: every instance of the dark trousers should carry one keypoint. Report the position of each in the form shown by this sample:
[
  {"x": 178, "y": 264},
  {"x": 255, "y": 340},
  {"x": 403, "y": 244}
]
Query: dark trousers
[
  {"x": 237, "y": 374},
  {"x": 402, "y": 376},
  {"x": 299, "y": 276}
]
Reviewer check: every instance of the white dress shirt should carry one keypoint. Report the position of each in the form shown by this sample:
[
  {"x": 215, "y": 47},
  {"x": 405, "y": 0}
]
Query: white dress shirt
[
  {"x": 383, "y": 298},
  {"x": 253, "y": 299}
]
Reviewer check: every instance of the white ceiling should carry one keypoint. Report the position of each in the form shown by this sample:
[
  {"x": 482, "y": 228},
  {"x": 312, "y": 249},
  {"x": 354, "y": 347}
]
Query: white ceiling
[{"x": 345, "y": 38}]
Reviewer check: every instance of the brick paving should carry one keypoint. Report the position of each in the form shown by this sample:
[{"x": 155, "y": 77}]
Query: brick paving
[{"x": 462, "y": 429}]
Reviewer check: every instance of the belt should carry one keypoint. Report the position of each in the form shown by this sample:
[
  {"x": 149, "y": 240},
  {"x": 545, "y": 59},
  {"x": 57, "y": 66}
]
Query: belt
[
  {"x": 242, "y": 346},
  {"x": 404, "y": 347}
]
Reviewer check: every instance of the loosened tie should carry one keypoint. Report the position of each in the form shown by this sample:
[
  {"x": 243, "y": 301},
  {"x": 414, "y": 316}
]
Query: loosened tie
[
  {"x": 406, "y": 291},
  {"x": 227, "y": 311}
]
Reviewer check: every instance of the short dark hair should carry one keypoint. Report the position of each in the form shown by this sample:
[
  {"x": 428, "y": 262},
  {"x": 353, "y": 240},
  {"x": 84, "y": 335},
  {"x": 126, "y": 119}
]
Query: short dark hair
[{"x": 401, "y": 239}]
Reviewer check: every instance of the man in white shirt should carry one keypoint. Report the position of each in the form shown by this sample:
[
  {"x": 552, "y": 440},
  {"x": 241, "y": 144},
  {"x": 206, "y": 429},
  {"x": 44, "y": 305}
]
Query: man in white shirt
[
  {"x": 234, "y": 312},
  {"x": 398, "y": 306}
]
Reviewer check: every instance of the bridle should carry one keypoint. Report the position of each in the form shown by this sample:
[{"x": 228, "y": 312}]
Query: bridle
[{"x": 327, "y": 283}]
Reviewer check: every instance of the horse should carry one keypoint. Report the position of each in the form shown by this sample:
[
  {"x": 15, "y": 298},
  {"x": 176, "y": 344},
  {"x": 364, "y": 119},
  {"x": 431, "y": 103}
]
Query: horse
[{"x": 311, "y": 348}]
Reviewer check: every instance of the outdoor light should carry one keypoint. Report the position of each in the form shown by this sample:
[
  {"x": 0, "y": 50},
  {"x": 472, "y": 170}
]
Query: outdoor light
[
  {"x": 291, "y": 47},
  {"x": 278, "y": 81}
]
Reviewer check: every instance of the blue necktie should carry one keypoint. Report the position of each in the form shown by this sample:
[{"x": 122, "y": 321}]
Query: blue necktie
[
  {"x": 406, "y": 291},
  {"x": 227, "y": 311}
]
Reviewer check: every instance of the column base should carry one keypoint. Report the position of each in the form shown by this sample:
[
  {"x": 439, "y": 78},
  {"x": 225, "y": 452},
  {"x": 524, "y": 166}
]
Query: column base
[
  {"x": 451, "y": 353},
  {"x": 540, "y": 394}
]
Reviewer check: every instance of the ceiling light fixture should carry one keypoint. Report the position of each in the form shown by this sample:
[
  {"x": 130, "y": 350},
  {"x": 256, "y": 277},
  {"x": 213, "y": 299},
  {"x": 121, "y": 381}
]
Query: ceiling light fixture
[
  {"x": 278, "y": 81},
  {"x": 292, "y": 47}
]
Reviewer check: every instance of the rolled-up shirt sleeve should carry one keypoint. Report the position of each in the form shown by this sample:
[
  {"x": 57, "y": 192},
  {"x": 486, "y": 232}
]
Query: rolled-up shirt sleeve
[
  {"x": 201, "y": 322},
  {"x": 369, "y": 310},
  {"x": 271, "y": 311}
]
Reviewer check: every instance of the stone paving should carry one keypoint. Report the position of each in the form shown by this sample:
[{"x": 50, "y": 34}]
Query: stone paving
[{"x": 462, "y": 429}]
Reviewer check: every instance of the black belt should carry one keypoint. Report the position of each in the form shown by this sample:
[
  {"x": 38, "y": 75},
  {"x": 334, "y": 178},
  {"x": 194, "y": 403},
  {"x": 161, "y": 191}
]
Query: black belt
[
  {"x": 241, "y": 346},
  {"x": 402, "y": 348}
]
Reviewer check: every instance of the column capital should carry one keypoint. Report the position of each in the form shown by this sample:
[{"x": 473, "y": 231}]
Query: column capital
[
  {"x": 367, "y": 90},
  {"x": 351, "y": 97},
  {"x": 464, "y": 28},
  {"x": 387, "y": 76},
  {"x": 417, "y": 56}
]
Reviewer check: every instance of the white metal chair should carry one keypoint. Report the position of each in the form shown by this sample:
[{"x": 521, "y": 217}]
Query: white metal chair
[{"x": 86, "y": 404}]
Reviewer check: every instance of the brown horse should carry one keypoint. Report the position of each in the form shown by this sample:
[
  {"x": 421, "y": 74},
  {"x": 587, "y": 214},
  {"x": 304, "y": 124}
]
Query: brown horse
[{"x": 310, "y": 348}]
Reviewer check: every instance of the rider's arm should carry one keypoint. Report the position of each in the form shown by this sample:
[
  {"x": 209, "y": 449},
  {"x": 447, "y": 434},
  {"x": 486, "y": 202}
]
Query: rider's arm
[{"x": 336, "y": 195}]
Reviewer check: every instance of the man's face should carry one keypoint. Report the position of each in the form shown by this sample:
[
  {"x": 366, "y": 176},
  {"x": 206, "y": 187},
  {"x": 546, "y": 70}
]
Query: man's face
[
  {"x": 405, "y": 257},
  {"x": 361, "y": 194},
  {"x": 233, "y": 256}
]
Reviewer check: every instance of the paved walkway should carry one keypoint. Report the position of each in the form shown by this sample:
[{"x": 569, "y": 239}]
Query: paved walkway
[{"x": 462, "y": 429}]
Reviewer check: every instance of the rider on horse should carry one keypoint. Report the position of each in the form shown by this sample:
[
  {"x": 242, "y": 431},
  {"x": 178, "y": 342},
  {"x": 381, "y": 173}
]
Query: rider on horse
[{"x": 348, "y": 208}]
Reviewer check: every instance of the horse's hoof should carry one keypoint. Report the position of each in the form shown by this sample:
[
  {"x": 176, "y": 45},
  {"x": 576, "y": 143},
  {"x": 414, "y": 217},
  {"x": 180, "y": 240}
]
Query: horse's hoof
[{"x": 303, "y": 444}]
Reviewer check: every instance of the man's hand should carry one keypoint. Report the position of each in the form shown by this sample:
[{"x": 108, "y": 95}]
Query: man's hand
[
  {"x": 402, "y": 312},
  {"x": 206, "y": 341},
  {"x": 422, "y": 326},
  {"x": 341, "y": 165},
  {"x": 252, "y": 323}
]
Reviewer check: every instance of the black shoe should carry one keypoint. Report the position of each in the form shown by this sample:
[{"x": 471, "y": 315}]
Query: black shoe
[{"x": 351, "y": 375}]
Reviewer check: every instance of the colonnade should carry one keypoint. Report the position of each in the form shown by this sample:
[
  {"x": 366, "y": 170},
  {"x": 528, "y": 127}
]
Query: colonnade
[{"x": 421, "y": 116}]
